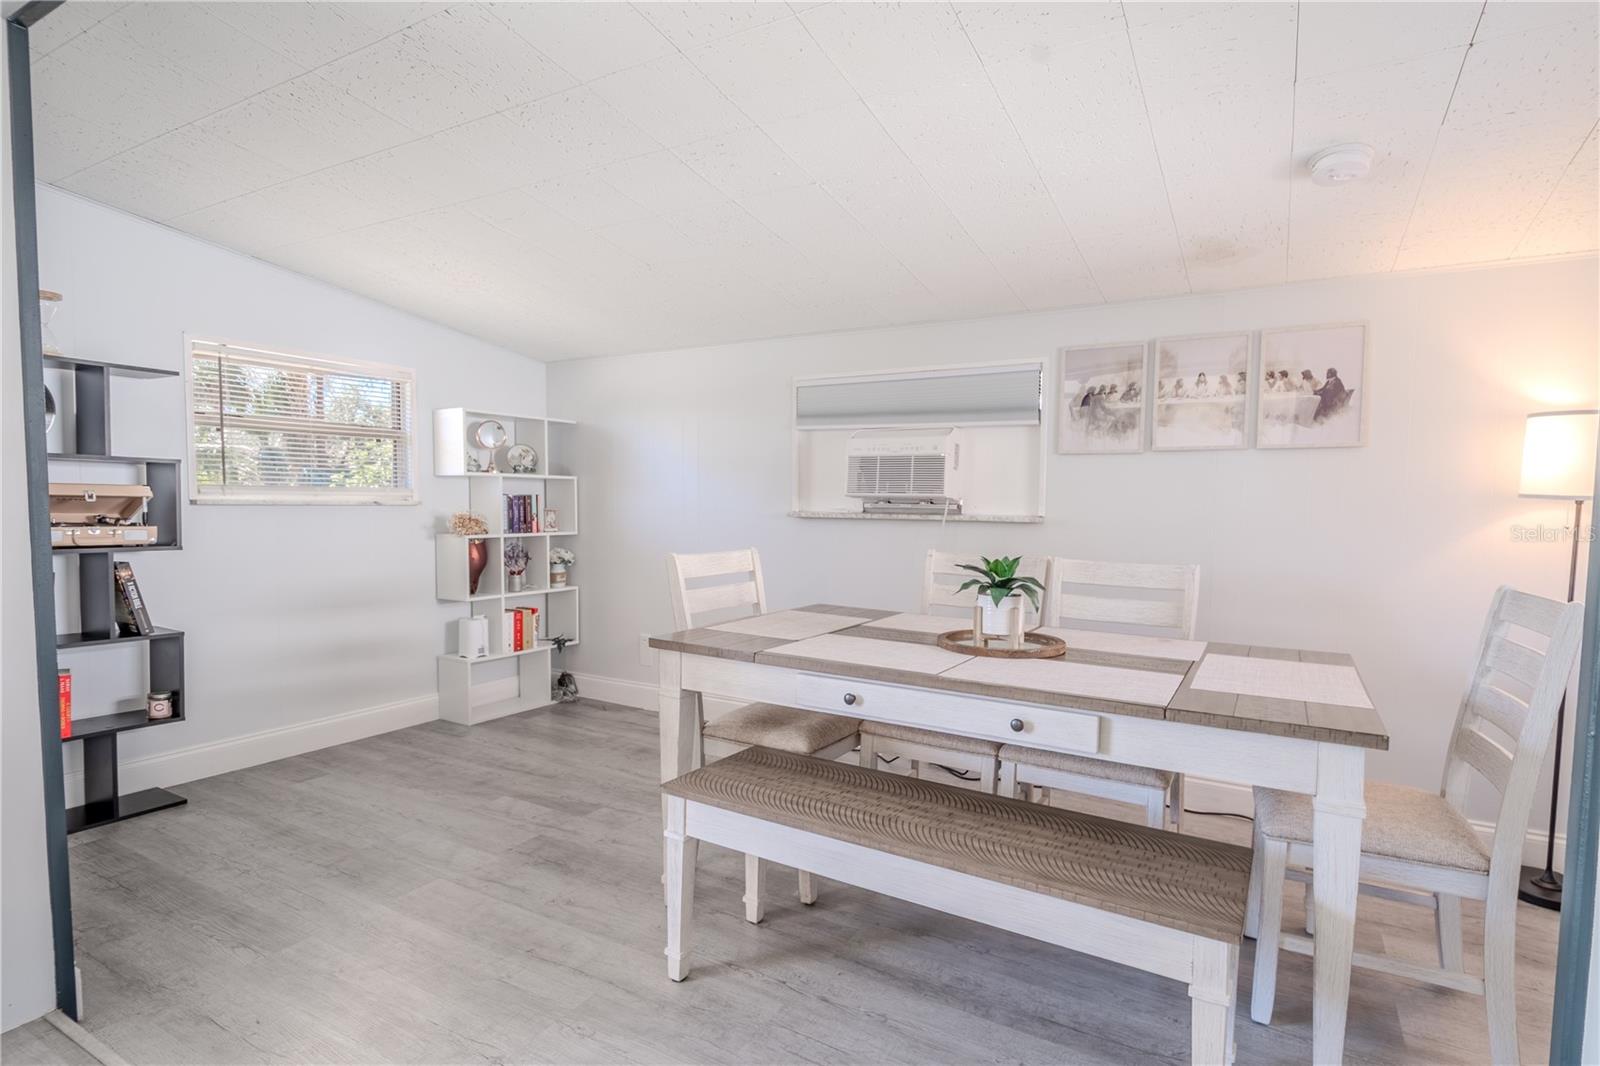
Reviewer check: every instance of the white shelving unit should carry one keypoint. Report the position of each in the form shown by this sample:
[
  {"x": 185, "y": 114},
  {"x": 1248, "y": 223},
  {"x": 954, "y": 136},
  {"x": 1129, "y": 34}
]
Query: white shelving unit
[{"x": 502, "y": 683}]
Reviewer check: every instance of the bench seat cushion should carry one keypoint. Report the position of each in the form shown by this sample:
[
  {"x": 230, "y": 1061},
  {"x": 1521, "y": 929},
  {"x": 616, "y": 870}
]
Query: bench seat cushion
[
  {"x": 1082, "y": 764},
  {"x": 931, "y": 737},
  {"x": 1182, "y": 882},
  {"x": 786, "y": 728}
]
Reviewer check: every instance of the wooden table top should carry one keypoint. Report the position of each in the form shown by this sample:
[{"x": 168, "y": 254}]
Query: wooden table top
[{"x": 1280, "y": 691}]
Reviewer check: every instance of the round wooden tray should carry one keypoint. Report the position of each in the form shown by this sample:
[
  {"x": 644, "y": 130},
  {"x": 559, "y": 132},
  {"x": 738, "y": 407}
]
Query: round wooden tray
[{"x": 1034, "y": 646}]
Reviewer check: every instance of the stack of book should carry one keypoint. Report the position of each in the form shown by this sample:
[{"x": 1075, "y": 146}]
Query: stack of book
[
  {"x": 522, "y": 514},
  {"x": 64, "y": 700},
  {"x": 520, "y": 630}
]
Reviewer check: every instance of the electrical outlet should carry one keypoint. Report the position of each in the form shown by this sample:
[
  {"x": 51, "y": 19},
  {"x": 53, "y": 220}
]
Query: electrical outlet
[{"x": 647, "y": 654}]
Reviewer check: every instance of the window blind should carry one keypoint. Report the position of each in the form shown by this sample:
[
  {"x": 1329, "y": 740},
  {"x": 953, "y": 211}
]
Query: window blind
[
  {"x": 1007, "y": 395},
  {"x": 272, "y": 426}
]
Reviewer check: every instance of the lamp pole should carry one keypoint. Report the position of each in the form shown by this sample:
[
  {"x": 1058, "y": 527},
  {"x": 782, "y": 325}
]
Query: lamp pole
[{"x": 1543, "y": 888}]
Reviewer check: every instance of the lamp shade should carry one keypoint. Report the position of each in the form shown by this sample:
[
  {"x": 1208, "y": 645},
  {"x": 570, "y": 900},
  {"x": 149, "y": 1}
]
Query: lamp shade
[{"x": 1558, "y": 455}]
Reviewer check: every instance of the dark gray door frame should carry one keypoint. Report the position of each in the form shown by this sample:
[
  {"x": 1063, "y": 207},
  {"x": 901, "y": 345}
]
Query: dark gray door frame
[
  {"x": 44, "y": 621},
  {"x": 1573, "y": 995}
]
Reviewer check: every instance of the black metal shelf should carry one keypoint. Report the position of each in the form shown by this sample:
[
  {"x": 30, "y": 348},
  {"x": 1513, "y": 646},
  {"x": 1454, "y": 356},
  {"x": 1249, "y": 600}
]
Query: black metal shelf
[
  {"x": 120, "y": 722},
  {"x": 71, "y": 362},
  {"x": 79, "y": 457},
  {"x": 121, "y": 808},
  {"x": 78, "y": 641},
  {"x": 116, "y": 549}
]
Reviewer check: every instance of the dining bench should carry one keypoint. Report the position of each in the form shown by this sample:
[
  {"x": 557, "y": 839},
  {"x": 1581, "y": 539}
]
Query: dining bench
[{"x": 1160, "y": 902}]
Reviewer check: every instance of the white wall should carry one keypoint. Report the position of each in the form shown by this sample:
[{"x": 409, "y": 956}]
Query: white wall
[
  {"x": 294, "y": 615},
  {"x": 27, "y": 980},
  {"x": 1390, "y": 552}
]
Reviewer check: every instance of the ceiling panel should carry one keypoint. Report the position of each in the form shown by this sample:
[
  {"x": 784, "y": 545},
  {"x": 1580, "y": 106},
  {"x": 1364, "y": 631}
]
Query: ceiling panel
[
  {"x": 577, "y": 178},
  {"x": 588, "y": 41},
  {"x": 458, "y": 64},
  {"x": 1219, "y": 88},
  {"x": 1397, "y": 109},
  {"x": 1568, "y": 221},
  {"x": 671, "y": 99},
  {"x": 1505, "y": 145}
]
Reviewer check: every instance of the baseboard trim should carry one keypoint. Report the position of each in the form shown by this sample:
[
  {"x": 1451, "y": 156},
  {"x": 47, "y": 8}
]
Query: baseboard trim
[
  {"x": 237, "y": 753},
  {"x": 1224, "y": 797}
]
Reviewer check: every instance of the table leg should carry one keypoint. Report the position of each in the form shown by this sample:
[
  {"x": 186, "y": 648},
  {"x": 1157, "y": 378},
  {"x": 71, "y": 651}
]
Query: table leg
[
  {"x": 1338, "y": 810},
  {"x": 680, "y": 730}
]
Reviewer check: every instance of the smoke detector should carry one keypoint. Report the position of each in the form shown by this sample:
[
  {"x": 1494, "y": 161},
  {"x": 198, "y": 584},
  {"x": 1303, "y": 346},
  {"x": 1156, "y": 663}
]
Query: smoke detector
[{"x": 1341, "y": 164}]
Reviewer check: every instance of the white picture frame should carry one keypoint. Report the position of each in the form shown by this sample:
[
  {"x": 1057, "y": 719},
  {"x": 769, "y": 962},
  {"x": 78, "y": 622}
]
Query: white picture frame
[
  {"x": 1305, "y": 411},
  {"x": 1201, "y": 392},
  {"x": 1093, "y": 414}
]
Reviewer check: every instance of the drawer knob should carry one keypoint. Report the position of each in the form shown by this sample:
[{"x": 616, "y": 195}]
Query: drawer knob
[
  {"x": 1016, "y": 725},
  {"x": 850, "y": 699}
]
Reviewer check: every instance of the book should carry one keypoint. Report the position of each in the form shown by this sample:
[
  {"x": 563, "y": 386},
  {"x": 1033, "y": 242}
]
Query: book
[
  {"x": 64, "y": 699},
  {"x": 506, "y": 635},
  {"x": 530, "y": 627},
  {"x": 132, "y": 617},
  {"x": 516, "y": 632}
]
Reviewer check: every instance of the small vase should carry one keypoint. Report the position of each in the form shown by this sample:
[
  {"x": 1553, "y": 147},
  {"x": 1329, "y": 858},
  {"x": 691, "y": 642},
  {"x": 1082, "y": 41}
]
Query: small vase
[
  {"x": 513, "y": 582},
  {"x": 558, "y": 575},
  {"x": 477, "y": 559}
]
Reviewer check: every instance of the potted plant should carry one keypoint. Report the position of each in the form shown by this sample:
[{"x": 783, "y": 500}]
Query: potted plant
[
  {"x": 560, "y": 559},
  {"x": 1000, "y": 591},
  {"x": 516, "y": 563}
]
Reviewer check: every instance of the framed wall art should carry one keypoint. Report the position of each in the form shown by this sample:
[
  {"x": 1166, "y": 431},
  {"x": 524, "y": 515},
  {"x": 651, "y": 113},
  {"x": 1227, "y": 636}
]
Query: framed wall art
[{"x": 1100, "y": 399}]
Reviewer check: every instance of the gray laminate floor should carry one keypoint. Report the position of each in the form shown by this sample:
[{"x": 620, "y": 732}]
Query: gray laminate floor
[{"x": 491, "y": 895}]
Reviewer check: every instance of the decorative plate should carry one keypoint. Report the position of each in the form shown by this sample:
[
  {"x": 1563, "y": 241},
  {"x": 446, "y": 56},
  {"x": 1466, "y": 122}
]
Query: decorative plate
[{"x": 523, "y": 459}]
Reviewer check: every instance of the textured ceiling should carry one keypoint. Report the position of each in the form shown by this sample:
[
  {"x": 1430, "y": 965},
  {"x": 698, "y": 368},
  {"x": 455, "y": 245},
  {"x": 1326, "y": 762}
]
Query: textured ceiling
[{"x": 578, "y": 179}]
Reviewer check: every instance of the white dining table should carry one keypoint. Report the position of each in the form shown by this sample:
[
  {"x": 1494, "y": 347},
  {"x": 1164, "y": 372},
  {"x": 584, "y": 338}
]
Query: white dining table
[{"x": 1300, "y": 721}]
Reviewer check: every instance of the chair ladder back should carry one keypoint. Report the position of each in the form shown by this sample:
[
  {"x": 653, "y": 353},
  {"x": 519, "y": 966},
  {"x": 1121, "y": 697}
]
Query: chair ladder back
[
  {"x": 1100, "y": 604},
  {"x": 690, "y": 604},
  {"x": 1513, "y": 768},
  {"x": 941, "y": 595}
]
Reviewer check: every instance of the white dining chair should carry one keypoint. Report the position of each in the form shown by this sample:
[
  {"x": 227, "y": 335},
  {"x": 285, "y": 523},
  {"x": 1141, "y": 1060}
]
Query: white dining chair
[
  {"x": 1143, "y": 598},
  {"x": 1417, "y": 846},
  {"x": 967, "y": 760},
  {"x": 702, "y": 593}
]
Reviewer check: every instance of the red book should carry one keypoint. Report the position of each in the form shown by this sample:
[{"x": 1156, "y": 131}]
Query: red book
[
  {"x": 516, "y": 632},
  {"x": 64, "y": 699}
]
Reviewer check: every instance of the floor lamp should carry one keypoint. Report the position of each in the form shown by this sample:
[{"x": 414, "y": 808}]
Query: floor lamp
[{"x": 1558, "y": 455}]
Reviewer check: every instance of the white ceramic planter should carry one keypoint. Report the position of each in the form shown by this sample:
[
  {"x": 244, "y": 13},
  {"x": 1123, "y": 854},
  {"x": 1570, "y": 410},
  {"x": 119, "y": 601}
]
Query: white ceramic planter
[{"x": 1004, "y": 619}]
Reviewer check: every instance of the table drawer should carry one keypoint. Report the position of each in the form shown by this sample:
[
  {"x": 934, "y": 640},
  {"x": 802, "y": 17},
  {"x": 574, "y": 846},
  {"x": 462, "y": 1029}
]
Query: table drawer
[{"x": 950, "y": 712}]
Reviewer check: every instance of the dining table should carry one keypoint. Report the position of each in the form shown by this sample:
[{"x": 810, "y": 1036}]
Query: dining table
[{"x": 1283, "y": 718}]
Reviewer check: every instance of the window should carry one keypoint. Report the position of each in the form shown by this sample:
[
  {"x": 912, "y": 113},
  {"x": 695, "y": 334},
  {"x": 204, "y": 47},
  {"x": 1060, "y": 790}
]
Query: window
[{"x": 272, "y": 427}]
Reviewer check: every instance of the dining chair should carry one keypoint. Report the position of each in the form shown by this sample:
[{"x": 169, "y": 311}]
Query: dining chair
[
  {"x": 717, "y": 587},
  {"x": 1144, "y": 598},
  {"x": 1417, "y": 846},
  {"x": 958, "y": 756}
]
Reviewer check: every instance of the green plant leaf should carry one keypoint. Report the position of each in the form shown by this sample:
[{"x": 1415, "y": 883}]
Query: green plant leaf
[
  {"x": 980, "y": 571},
  {"x": 998, "y": 595},
  {"x": 973, "y": 583},
  {"x": 1035, "y": 582},
  {"x": 1033, "y": 597}
]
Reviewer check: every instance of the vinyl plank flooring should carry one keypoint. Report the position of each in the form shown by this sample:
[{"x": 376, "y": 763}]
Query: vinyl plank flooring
[{"x": 445, "y": 894}]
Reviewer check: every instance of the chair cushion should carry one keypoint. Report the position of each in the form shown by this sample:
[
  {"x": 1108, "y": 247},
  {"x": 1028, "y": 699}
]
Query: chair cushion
[
  {"x": 1182, "y": 882},
  {"x": 1082, "y": 764},
  {"x": 790, "y": 729},
  {"x": 931, "y": 737},
  {"x": 1402, "y": 823}
]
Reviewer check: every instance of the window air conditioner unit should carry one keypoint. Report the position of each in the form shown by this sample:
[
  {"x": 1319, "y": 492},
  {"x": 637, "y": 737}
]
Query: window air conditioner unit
[{"x": 905, "y": 471}]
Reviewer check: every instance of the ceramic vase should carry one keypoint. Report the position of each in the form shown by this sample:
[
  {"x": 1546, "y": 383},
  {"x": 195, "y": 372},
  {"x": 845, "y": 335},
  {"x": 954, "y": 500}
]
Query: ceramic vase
[{"x": 477, "y": 559}]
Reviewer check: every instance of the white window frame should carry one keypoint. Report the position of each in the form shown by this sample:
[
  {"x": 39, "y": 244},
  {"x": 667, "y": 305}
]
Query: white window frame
[{"x": 304, "y": 496}]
